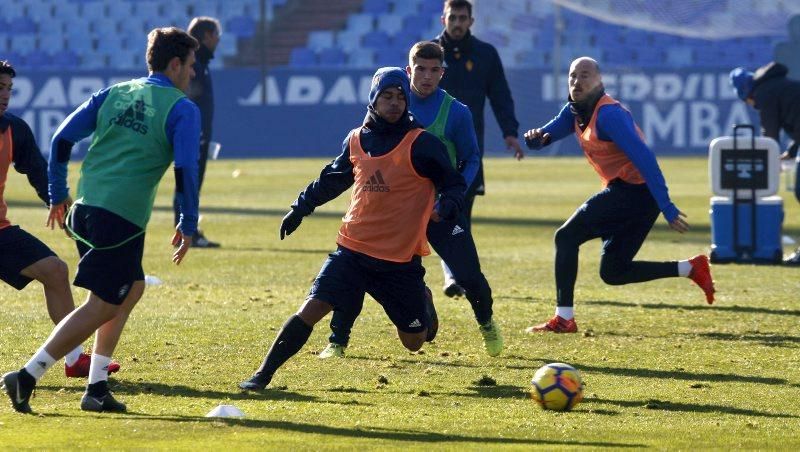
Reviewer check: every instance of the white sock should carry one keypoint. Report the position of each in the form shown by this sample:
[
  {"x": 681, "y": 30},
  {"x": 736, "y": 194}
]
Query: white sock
[
  {"x": 684, "y": 268},
  {"x": 565, "y": 312},
  {"x": 448, "y": 275},
  {"x": 39, "y": 364},
  {"x": 73, "y": 356},
  {"x": 98, "y": 371}
]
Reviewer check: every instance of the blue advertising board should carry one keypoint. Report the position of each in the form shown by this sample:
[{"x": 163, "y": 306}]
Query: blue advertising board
[{"x": 308, "y": 112}]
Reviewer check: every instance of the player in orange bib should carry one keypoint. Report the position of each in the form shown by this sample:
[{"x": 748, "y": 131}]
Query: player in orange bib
[
  {"x": 623, "y": 213},
  {"x": 395, "y": 169}
]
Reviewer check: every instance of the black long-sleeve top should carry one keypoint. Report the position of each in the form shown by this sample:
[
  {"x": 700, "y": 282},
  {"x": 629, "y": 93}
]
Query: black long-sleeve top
[
  {"x": 475, "y": 72},
  {"x": 378, "y": 137},
  {"x": 26, "y": 156}
]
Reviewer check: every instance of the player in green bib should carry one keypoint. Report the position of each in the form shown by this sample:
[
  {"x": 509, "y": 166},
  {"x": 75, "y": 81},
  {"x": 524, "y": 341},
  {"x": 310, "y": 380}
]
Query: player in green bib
[{"x": 140, "y": 127}]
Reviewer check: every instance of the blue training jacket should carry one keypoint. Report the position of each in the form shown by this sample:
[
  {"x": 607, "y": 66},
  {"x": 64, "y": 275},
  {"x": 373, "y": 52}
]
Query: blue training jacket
[
  {"x": 183, "y": 132},
  {"x": 614, "y": 123},
  {"x": 459, "y": 129}
]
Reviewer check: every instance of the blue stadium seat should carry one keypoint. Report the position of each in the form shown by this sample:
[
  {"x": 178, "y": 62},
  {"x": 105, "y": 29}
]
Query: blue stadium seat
[
  {"x": 679, "y": 57},
  {"x": 22, "y": 25},
  {"x": 332, "y": 57},
  {"x": 23, "y": 44},
  {"x": 361, "y": 58},
  {"x": 320, "y": 39},
  {"x": 617, "y": 56},
  {"x": 375, "y": 6},
  {"x": 418, "y": 22},
  {"x": 405, "y": 39},
  {"x": 649, "y": 57},
  {"x": 241, "y": 27},
  {"x": 405, "y": 7},
  {"x": 431, "y": 7},
  {"x": 51, "y": 42},
  {"x": 375, "y": 39},
  {"x": 360, "y": 22},
  {"x": 349, "y": 40},
  {"x": 65, "y": 59},
  {"x": 390, "y": 23},
  {"x": 302, "y": 57},
  {"x": 390, "y": 56},
  {"x": 707, "y": 56},
  {"x": 122, "y": 60}
]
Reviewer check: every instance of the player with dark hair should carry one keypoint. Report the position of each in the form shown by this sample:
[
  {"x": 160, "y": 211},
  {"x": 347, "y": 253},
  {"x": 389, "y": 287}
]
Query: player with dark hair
[
  {"x": 623, "y": 213},
  {"x": 139, "y": 127},
  {"x": 395, "y": 168},
  {"x": 475, "y": 72},
  {"x": 777, "y": 99},
  {"x": 451, "y": 122},
  {"x": 206, "y": 30},
  {"x": 23, "y": 257}
]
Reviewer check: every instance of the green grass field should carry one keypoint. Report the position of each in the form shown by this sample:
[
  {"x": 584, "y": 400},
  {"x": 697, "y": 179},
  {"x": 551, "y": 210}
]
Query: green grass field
[{"x": 662, "y": 369}]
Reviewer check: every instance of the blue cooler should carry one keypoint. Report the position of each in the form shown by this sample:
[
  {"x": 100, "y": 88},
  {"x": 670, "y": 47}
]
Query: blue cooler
[{"x": 768, "y": 221}]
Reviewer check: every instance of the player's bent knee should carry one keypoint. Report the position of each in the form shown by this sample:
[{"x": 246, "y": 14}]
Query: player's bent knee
[
  {"x": 564, "y": 237},
  {"x": 50, "y": 271},
  {"x": 313, "y": 310},
  {"x": 612, "y": 275},
  {"x": 413, "y": 341}
]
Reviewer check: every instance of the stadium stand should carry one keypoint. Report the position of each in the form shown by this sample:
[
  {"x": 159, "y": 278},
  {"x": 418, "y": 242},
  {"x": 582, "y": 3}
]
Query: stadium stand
[{"x": 362, "y": 33}]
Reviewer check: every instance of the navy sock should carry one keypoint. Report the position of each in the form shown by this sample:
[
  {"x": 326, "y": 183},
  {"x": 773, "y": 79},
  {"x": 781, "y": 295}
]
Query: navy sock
[{"x": 292, "y": 337}]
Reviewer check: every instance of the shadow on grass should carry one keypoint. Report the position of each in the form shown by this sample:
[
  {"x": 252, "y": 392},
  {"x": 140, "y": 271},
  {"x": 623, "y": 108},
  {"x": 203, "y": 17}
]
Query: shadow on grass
[
  {"x": 136, "y": 388},
  {"x": 698, "y": 307},
  {"x": 666, "y": 405},
  {"x": 377, "y": 433},
  {"x": 665, "y": 374},
  {"x": 767, "y": 339},
  {"x": 421, "y": 360}
]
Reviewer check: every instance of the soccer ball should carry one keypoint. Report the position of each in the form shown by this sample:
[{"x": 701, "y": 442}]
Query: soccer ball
[{"x": 557, "y": 386}]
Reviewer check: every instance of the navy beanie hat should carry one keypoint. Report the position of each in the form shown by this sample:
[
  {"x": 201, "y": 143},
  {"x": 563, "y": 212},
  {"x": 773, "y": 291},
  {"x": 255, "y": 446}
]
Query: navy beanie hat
[
  {"x": 388, "y": 77},
  {"x": 742, "y": 81}
]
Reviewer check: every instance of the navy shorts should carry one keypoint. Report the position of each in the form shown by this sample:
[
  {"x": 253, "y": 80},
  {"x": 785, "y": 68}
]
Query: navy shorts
[
  {"x": 18, "y": 251},
  {"x": 398, "y": 287},
  {"x": 108, "y": 273}
]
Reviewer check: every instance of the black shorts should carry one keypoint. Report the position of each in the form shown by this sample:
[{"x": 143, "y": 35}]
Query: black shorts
[
  {"x": 18, "y": 251},
  {"x": 109, "y": 267},
  {"x": 398, "y": 287}
]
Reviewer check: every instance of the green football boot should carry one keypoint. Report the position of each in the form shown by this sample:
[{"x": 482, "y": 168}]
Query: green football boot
[
  {"x": 492, "y": 339},
  {"x": 332, "y": 351}
]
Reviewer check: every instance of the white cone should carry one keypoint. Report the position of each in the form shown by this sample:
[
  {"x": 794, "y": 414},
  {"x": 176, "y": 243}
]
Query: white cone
[
  {"x": 786, "y": 240},
  {"x": 152, "y": 280},
  {"x": 225, "y": 411}
]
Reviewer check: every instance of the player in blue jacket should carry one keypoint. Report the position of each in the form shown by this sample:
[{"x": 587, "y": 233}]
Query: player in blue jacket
[
  {"x": 140, "y": 127},
  {"x": 451, "y": 122},
  {"x": 623, "y": 213}
]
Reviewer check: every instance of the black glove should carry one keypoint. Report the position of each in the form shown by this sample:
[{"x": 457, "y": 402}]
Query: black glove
[
  {"x": 290, "y": 223},
  {"x": 448, "y": 209}
]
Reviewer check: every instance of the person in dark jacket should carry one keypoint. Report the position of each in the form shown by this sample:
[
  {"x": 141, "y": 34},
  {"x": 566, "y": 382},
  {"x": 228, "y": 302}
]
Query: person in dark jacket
[
  {"x": 777, "y": 100},
  {"x": 206, "y": 30},
  {"x": 475, "y": 72},
  {"x": 395, "y": 168}
]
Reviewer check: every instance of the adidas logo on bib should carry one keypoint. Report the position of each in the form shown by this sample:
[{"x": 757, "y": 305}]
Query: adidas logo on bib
[{"x": 376, "y": 183}]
